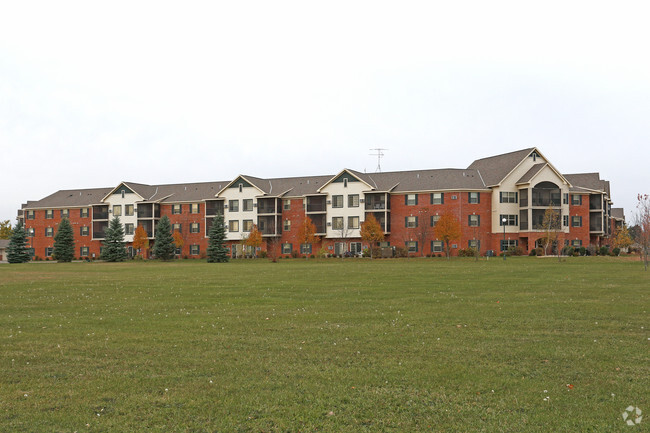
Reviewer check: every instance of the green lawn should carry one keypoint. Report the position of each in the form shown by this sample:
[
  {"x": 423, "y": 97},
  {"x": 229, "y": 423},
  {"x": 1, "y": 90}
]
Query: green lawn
[{"x": 329, "y": 346}]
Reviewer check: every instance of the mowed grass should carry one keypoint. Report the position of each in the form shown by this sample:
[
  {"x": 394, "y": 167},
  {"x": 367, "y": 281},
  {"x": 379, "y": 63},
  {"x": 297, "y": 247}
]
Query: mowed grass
[{"x": 334, "y": 346}]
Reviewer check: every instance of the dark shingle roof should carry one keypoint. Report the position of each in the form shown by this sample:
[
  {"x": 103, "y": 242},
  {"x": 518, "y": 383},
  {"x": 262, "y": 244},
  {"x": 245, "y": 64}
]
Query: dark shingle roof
[
  {"x": 429, "y": 180},
  {"x": 70, "y": 198},
  {"x": 618, "y": 213},
  {"x": 587, "y": 181},
  {"x": 495, "y": 168},
  {"x": 528, "y": 176}
]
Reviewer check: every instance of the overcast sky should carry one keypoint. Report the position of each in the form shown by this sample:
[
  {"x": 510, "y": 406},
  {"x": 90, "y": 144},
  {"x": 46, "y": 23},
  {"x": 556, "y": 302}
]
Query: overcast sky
[{"x": 154, "y": 92}]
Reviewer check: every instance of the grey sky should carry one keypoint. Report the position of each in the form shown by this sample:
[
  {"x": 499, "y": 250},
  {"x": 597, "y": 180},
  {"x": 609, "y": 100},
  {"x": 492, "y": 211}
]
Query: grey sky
[{"x": 153, "y": 92}]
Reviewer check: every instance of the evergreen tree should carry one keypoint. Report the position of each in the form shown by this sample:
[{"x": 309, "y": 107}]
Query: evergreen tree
[
  {"x": 164, "y": 247},
  {"x": 114, "y": 250},
  {"x": 217, "y": 251},
  {"x": 64, "y": 242},
  {"x": 17, "y": 251}
]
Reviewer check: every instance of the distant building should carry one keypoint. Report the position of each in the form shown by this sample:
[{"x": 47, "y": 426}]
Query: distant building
[{"x": 503, "y": 196}]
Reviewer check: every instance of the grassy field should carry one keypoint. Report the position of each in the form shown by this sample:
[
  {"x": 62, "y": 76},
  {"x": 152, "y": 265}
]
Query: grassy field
[{"x": 334, "y": 346}]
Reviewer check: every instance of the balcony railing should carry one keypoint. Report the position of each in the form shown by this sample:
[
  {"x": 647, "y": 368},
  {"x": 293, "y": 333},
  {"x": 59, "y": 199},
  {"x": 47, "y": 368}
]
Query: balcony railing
[
  {"x": 556, "y": 202},
  {"x": 316, "y": 207}
]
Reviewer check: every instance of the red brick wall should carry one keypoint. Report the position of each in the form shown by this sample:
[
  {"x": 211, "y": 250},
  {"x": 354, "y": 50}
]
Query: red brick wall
[
  {"x": 460, "y": 208},
  {"x": 185, "y": 218},
  {"x": 39, "y": 242},
  {"x": 582, "y": 210}
]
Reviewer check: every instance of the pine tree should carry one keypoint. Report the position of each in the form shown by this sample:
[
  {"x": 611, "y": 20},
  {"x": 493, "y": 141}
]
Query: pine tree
[
  {"x": 17, "y": 251},
  {"x": 64, "y": 242},
  {"x": 163, "y": 247},
  {"x": 217, "y": 251},
  {"x": 114, "y": 250}
]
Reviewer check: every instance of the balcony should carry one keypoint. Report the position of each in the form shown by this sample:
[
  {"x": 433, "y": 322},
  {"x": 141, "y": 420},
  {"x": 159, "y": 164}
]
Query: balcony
[
  {"x": 383, "y": 221},
  {"x": 595, "y": 202},
  {"x": 316, "y": 204},
  {"x": 269, "y": 206},
  {"x": 99, "y": 227},
  {"x": 595, "y": 223},
  {"x": 320, "y": 221},
  {"x": 266, "y": 225},
  {"x": 213, "y": 207},
  {"x": 100, "y": 212},
  {"x": 375, "y": 202},
  {"x": 147, "y": 225}
]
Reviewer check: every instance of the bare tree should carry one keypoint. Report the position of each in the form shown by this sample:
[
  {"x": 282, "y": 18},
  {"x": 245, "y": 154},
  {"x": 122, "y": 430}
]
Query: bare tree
[
  {"x": 551, "y": 224},
  {"x": 343, "y": 232},
  {"x": 642, "y": 220}
]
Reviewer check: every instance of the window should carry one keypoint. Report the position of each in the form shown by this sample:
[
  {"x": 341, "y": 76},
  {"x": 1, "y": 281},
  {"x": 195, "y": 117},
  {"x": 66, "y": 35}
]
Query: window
[
  {"x": 241, "y": 187},
  {"x": 474, "y": 243},
  {"x": 508, "y": 197},
  {"x": 48, "y": 251},
  {"x": 355, "y": 248},
  {"x": 195, "y": 250},
  {"x": 129, "y": 229},
  {"x": 384, "y": 244},
  {"x": 505, "y": 245},
  {"x": 345, "y": 182},
  {"x": 576, "y": 243},
  {"x": 65, "y": 213},
  {"x": 117, "y": 210},
  {"x": 474, "y": 197},
  {"x": 247, "y": 204},
  {"x": 434, "y": 220},
  {"x": 511, "y": 220},
  {"x": 177, "y": 227},
  {"x": 474, "y": 220},
  {"x": 286, "y": 204},
  {"x": 286, "y": 248},
  {"x": 195, "y": 208},
  {"x": 353, "y": 222},
  {"x": 565, "y": 220},
  {"x": 437, "y": 198},
  {"x": 565, "y": 198},
  {"x": 178, "y": 251},
  {"x": 247, "y": 225},
  {"x": 177, "y": 209},
  {"x": 49, "y": 214},
  {"x": 287, "y": 225},
  {"x": 84, "y": 230},
  {"x": 233, "y": 226},
  {"x": 410, "y": 222},
  {"x": 411, "y": 199},
  {"x": 576, "y": 199},
  {"x": 233, "y": 205},
  {"x": 195, "y": 228},
  {"x": 128, "y": 210},
  {"x": 576, "y": 221},
  {"x": 30, "y": 214},
  {"x": 305, "y": 249},
  {"x": 337, "y": 223},
  {"x": 337, "y": 201},
  {"x": 49, "y": 232},
  {"x": 411, "y": 246},
  {"x": 30, "y": 232},
  {"x": 436, "y": 246},
  {"x": 83, "y": 252},
  {"x": 84, "y": 212},
  {"x": 353, "y": 200}
]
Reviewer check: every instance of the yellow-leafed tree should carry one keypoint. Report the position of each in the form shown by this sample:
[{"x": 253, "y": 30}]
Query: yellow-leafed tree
[
  {"x": 371, "y": 232},
  {"x": 447, "y": 229}
]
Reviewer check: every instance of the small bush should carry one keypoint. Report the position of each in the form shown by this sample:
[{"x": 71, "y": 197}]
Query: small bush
[
  {"x": 311, "y": 256},
  {"x": 400, "y": 252},
  {"x": 532, "y": 252},
  {"x": 567, "y": 251},
  {"x": 583, "y": 251},
  {"x": 604, "y": 251},
  {"x": 263, "y": 254},
  {"x": 294, "y": 254},
  {"x": 616, "y": 251},
  {"x": 516, "y": 251},
  {"x": 466, "y": 252}
]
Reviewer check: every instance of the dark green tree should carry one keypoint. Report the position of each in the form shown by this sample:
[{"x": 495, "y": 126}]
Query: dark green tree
[
  {"x": 17, "y": 251},
  {"x": 114, "y": 250},
  {"x": 164, "y": 247},
  {"x": 217, "y": 251},
  {"x": 64, "y": 242}
]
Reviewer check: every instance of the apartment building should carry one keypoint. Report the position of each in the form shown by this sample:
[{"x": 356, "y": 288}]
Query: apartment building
[{"x": 499, "y": 201}]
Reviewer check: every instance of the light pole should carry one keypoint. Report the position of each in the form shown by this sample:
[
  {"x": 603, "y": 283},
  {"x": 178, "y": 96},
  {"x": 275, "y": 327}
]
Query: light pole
[{"x": 503, "y": 221}]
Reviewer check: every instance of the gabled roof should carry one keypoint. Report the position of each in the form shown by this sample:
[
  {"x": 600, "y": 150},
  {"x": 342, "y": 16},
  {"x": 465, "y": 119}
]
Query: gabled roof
[
  {"x": 130, "y": 186},
  {"x": 588, "y": 182},
  {"x": 618, "y": 213},
  {"x": 429, "y": 180},
  {"x": 494, "y": 169},
  {"x": 353, "y": 173},
  {"x": 187, "y": 192},
  {"x": 255, "y": 182},
  {"x": 70, "y": 198},
  {"x": 530, "y": 174}
]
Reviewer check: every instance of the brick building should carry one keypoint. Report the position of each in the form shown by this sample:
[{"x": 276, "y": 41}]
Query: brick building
[{"x": 499, "y": 201}]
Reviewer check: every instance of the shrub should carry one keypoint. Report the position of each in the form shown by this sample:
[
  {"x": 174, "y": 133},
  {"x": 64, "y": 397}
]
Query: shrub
[
  {"x": 567, "y": 251},
  {"x": 604, "y": 251},
  {"x": 263, "y": 255},
  {"x": 400, "y": 252},
  {"x": 616, "y": 251},
  {"x": 516, "y": 251},
  {"x": 295, "y": 254},
  {"x": 466, "y": 252},
  {"x": 583, "y": 251},
  {"x": 591, "y": 250},
  {"x": 533, "y": 252}
]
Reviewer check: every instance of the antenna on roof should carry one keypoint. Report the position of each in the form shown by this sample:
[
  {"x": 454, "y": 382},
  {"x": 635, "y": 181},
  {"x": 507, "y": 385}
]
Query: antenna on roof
[{"x": 379, "y": 154}]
